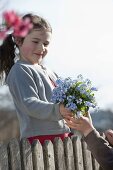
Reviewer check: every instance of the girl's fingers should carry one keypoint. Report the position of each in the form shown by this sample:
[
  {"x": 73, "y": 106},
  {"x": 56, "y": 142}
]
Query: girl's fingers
[
  {"x": 67, "y": 117},
  {"x": 69, "y": 122}
]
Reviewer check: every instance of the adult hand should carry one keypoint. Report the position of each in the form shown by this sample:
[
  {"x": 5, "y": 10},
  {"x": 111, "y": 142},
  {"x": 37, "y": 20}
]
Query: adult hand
[
  {"x": 82, "y": 124},
  {"x": 109, "y": 135}
]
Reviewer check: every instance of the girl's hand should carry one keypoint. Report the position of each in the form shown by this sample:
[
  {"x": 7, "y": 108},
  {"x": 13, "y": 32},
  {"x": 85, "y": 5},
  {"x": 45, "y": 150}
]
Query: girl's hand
[
  {"x": 109, "y": 135},
  {"x": 65, "y": 112},
  {"x": 82, "y": 124}
]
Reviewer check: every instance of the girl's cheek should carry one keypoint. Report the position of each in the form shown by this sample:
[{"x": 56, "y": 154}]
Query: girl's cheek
[{"x": 26, "y": 50}]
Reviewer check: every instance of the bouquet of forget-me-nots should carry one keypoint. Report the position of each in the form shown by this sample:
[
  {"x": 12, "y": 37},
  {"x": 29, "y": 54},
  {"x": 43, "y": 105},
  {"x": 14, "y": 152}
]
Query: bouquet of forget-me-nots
[{"x": 76, "y": 95}]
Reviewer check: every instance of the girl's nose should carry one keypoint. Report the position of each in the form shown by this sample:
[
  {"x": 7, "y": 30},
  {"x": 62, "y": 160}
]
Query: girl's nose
[{"x": 40, "y": 47}]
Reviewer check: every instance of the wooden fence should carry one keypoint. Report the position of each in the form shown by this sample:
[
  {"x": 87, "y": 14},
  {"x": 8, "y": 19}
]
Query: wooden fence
[{"x": 71, "y": 154}]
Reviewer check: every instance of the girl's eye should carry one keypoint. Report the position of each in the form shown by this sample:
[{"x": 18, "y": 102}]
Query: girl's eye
[
  {"x": 35, "y": 42},
  {"x": 46, "y": 44}
]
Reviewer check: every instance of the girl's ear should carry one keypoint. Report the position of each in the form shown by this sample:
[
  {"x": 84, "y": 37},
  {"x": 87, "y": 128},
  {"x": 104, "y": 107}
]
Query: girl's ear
[{"x": 18, "y": 41}]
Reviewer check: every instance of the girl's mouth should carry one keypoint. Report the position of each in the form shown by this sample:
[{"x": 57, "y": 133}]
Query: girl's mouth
[{"x": 38, "y": 54}]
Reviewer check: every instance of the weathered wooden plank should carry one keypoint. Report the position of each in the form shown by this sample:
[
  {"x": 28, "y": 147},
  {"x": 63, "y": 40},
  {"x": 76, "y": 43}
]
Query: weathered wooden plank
[
  {"x": 26, "y": 155},
  {"x": 95, "y": 164},
  {"x": 87, "y": 159},
  {"x": 77, "y": 149},
  {"x": 48, "y": 151},
  {"x": 71, "y": 154},
  {"x": 3, "y": 157},
  {"x": 37, "y": 155},
  {"x": 69, "y": 157},
  {"x": 14, "y": 155},
  {"x": 59, "y": 154}
]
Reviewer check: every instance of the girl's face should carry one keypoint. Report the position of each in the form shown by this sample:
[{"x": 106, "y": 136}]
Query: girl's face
[{"x": 35, "y": 46}]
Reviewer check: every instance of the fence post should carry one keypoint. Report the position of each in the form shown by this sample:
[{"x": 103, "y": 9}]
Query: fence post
[
  {"x": 48, "y": 155},
  {"x": 87, "y": 159},
  {"x": 14, "y": 155},
  {"x": 37, "y": 155},
  {"x": 59, "y": 154},
  {"x": 77, "y": 148},
  {"x": 26, "y": 155},
  {"x": 68, "y": 149},
  {"x": 3, "y": 157}
]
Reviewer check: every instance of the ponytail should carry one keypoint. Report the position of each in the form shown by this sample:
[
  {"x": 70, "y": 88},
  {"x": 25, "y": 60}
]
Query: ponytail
[{"x": 7, "y": 55}]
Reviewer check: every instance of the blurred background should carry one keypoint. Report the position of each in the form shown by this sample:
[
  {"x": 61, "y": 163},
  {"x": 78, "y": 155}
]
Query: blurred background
[{"x": 82, "y": 43}]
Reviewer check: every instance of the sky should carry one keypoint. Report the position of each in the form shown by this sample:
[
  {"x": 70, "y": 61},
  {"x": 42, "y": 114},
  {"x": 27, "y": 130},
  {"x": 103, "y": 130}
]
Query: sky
[{"x": 82, "y": 40}]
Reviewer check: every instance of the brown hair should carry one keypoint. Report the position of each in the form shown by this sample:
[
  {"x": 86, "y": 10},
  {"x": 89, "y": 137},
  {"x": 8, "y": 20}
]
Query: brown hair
[{"x": 8, "y": 48}]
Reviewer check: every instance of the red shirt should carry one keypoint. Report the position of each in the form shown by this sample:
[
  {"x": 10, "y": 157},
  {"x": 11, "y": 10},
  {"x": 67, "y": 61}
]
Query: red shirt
[{"x": 48, "y": 137}]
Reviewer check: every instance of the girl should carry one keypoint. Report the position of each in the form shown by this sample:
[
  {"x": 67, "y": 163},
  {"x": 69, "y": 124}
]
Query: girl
[{"x": 31, "y": 84}]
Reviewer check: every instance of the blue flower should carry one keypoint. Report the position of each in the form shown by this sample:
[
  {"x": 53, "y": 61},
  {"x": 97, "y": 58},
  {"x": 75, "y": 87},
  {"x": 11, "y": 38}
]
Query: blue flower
[
  {"x": 72, "y": 106},
  {"x": 77, "y": 95},
  {"x": 94, "y": 89}
]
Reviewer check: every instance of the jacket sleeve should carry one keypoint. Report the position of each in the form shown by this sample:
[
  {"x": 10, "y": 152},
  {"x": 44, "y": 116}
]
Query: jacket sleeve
[
  {"x": 100, "y": 149},
  {"x": 26, "y": 95}
]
